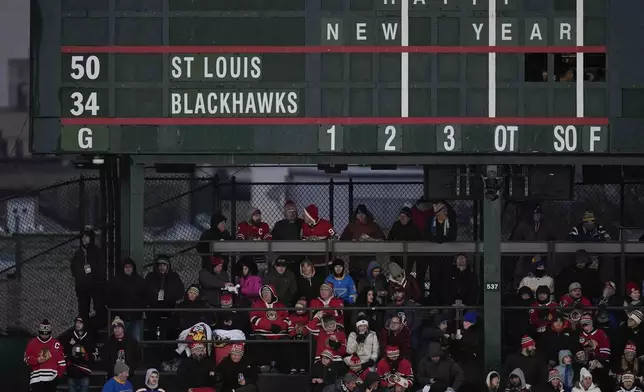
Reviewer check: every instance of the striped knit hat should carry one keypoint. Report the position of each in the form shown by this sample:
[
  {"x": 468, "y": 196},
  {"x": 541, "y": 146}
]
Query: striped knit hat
[
  {"x": 586, "y": 319},
  {"x": 237, "y": 349},
  {"x": 553, "y": 374},
  {"x": 628, "y": 376},
  {"x": 327, "y": 354},
  {"x": 392, "y": 351},
  {"x": 527, "y": 341},
  {"x": 630, "y": 347}
]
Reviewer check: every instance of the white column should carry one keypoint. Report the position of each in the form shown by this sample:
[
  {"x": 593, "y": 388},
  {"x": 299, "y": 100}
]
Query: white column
[
  {"x": 580, "y": 59},
  {"x": 404, "y": 59},
  {"x": 491, "y": 60}
]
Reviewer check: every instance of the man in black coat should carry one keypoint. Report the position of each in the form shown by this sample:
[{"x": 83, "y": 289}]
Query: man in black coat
[
  {"x": 217, "y": 232},
  {"x": 90, "y": 274},
  {"x": 127, "y": 290},
  {"x": 198, "y": 370},
  {"x": 534, "y": 366},
  {"x": 120, "y": 348}
]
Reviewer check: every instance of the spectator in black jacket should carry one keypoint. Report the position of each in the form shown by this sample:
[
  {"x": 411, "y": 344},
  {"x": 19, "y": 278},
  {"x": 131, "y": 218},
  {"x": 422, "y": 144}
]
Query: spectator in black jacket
[
  {"x": 534, "y": 366},
  {"x": 90, "y": 274},
  {"x": 308, "y": 281},
  {"x": 196, "y": 371},
  {"x": 461, "y": 283},
  {"x": 326, "y": 371},
  {"x": 192, "y": 300},
  {"x": 120, "y": 348},
  {"x": 236, "y": 373},
  {"x": 80, "y": 351},
  {"x": 405, "y": 230},
  {"x": 164, "y": 290},
  {"x": 127, "y": 290},
  {"x": 216, "y": 232},
  {"x": 442, "y": 226},
  {"x": 289, "y": 229}
]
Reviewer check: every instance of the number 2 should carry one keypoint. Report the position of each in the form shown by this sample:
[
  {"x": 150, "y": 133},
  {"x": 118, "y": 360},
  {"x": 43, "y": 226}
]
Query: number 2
[
  {"x": 391, "y": 132},
  {"x": 331, "y": 131}
]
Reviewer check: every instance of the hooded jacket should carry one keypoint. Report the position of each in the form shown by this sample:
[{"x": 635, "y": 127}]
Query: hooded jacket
[
  {"x": 148, "y": 386},
  {"x": 171, "y": 285},
  {"x": 445, "y": 371},
  {"x": 488, "y": 381},
  {"x": 271, "y": 324},
  {"x": 567, "y": 372},
  {"x": 127, "y": 292},
  {"x": 523, "y": 387},
  {"x": 284, "y": 284},
  {"x": 212, "y": 234},
  {"x": 398, "y": 277},
  {"x": 88, "y": 265},
  {"x": 579, "y": 388},
  {"x": 356, "y": 230},
  {"x": 308, "y": 286},
  {"x": 378, "y": 284},
  {"x": 188, "y": 319}
]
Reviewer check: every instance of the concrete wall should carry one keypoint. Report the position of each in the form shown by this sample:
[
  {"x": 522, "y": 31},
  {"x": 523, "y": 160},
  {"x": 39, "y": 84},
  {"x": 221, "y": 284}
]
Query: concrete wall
[{"x": 14, "y": 45}]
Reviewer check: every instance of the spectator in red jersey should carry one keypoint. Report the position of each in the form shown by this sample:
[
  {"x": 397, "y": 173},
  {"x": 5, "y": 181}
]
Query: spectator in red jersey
[
  {"x": 393, "y": 365},
  {"x": 396, "y": 334},
  {"x": 327, "y": 300},
  {"x": 46, "y": 358},
  {"x": 542, "y": 311},
  {"x": 272, "y": 324},
  {"x": 254, "y": 229},
  {"x": 594, "y": 340},
  {"x": 355, "y": 367},
  {"x": 328, "y": 336},
  {"x": 297, "y": 329},
  {"x": 362, "y": 227},
  {"x": 315, "y": 228},
  {"x": 574, "y": 301}
]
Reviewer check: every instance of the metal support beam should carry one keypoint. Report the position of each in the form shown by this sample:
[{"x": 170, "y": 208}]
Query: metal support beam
[
  {"x": 492, "y": 280},
  {"x": 132, "y": 178}
]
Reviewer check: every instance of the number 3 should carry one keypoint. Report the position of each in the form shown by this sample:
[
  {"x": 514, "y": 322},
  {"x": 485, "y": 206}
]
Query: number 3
[
  {"x": 391, "y": 132},
  {"x": 450, "y": 143}
]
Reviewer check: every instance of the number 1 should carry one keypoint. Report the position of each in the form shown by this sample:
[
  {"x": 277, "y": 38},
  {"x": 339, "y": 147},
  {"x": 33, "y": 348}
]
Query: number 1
[{"x": 331, "y": 131}]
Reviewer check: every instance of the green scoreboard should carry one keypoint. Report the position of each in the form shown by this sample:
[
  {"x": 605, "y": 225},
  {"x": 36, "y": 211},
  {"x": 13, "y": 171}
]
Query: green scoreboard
[{"x": 285, "y": 79}]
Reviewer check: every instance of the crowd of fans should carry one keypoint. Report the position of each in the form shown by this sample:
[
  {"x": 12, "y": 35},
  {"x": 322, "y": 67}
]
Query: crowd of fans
[{"x": 368, "y": 331}]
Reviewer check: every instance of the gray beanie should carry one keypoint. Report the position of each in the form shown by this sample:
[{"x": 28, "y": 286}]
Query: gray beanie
[{"x": 120, "y": 367}]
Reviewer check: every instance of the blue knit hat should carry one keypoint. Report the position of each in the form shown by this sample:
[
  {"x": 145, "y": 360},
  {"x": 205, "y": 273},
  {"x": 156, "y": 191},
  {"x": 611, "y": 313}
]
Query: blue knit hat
[
  {"x": 538, "y": 262},
  {"x": 470, "y": 317}
]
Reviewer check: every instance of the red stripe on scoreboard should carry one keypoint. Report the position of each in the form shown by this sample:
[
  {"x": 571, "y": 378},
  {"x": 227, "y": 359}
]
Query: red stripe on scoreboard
[
  {"x": 337, "y": 120},
  {"x": 333, "y": 49}
]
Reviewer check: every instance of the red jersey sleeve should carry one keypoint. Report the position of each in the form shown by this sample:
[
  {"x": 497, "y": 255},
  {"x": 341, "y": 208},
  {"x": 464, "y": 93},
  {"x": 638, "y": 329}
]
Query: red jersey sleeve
[
  {"x": 31, "y": 354},
  {"x": 242, "y": 231},
  {"x": 266, "y": 232},
  {"x": 59, "y": 355}
]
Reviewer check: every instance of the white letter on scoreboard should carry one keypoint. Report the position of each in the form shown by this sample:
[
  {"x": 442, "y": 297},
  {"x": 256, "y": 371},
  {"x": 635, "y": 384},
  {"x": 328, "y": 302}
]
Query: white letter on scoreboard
[
  {"x": 206, "y": 65},
  {"x": 361, "y": 30},
  {"x": 506, "y": 31},
  {"x": 536, "y": 33},
  {"x": 176, "y": 103},
  {"x": 565, "y": 29},
  {"x": 176, "y": 67},
  {"x": 501, "y": 142},
  {"x": 85, "y": 138},
  {"x": 188, "y": 61},
  {"x": 594, "y": 137},
  {"x": 565, "y": 138},
  {"x": 478, "y": 31},
  {"x": 332, "y": 29}
]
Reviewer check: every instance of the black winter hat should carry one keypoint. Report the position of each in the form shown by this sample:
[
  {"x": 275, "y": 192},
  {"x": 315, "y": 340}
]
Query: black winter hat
[
  {"x": 336, "y": 262},
  {"x": 542, "y": 290},
  {"x": 406, "y": 211}
]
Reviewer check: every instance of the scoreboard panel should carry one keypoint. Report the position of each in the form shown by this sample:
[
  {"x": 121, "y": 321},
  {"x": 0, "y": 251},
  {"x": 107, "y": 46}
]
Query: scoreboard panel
[{"x": 336, "y": 77}]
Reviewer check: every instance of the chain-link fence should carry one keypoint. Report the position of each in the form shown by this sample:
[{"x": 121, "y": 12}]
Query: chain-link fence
[
  {"x": 38, "y": 235},
  {"x": 38, "y": 229}
]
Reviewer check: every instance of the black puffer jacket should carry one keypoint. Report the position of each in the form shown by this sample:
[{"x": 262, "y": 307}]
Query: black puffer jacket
[
  {"x": 127, "y": 292},
  {"x": 445, "y": 372},
  {"x": 212, "y": 234}
]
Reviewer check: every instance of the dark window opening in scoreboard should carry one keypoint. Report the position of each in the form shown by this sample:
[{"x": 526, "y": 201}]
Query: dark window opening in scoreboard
[
  {"x": 536, "y": 67},
  {"x": 565, "y": 67},
  {"x": 595, "y": 67}
]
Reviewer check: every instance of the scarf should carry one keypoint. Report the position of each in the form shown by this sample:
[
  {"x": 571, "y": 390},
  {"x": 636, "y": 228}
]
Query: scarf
[{"x": 445, "y": 226}]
